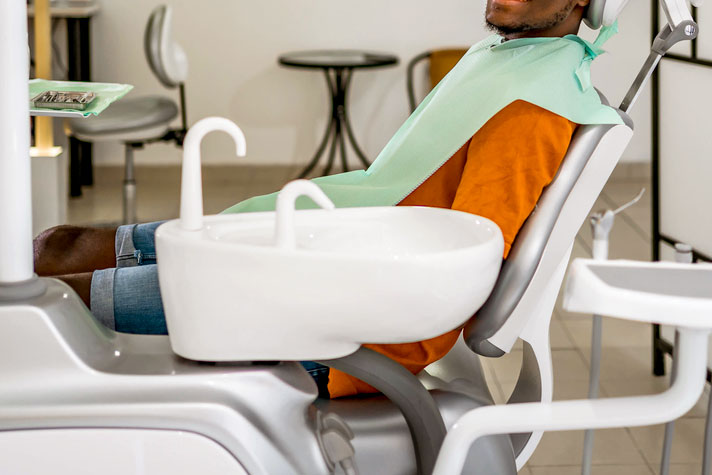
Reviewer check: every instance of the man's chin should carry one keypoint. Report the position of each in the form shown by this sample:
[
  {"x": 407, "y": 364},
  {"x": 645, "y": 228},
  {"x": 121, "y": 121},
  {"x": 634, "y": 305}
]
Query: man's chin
[{"x": 505, "y": 30}]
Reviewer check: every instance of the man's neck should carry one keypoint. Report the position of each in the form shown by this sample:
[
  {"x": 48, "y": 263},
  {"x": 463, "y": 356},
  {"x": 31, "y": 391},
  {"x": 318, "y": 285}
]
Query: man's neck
[{"x": 570, "y": 26}]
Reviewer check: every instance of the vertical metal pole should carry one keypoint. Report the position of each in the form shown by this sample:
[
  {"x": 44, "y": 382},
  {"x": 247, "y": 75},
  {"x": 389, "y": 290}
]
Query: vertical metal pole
[
  {"x": 44, "y": 137},
  {"x": 658, "y": 354},
  {"x": 129, "y": 204},
  {"x": 594, "y": 376},
  {"x": 670, "y": 426},
  {"x": 15, "y": 175},
  {"x": 183, "y": 112},
  {"x": 707, "y": 452},
  {"x": 78, "y": 70},
  {"x": 693, "y": 47},
  {"x": 655, "y": 145},
  {"x": 683, "y": 254},
  {"x": 87, "y": 173}
]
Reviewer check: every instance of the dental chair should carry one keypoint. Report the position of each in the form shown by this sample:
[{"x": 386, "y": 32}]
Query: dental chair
[
  {"x": 78, "y": 398},
  {"x": 144, "y": 120}
]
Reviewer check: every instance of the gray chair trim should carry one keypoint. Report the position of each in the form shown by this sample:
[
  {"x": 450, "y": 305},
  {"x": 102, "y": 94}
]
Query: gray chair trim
[
  {"x": 400, "y": 386},
  {"x": 528, "y": 389}
]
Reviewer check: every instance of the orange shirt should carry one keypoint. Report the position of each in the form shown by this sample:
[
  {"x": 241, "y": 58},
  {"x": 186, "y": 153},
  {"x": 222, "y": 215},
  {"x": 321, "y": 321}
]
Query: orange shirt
[{"x": 499, "y": 174}]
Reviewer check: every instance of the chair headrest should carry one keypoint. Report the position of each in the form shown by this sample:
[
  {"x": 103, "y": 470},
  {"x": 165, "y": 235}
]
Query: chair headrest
[{"x": 603, "y": 12}]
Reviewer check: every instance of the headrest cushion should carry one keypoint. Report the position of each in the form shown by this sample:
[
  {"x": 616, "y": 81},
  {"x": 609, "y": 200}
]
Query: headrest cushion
[{"x": 603, "y": 12}]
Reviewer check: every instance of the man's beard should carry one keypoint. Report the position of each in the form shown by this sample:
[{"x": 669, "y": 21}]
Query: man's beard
[{"x": 505, "y": 30}]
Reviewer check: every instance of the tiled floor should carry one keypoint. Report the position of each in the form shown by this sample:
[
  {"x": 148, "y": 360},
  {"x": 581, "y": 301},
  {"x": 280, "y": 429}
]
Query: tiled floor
[{"x": 626, "y": 367}]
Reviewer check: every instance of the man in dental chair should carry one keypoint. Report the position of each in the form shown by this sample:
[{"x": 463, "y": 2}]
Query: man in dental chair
[{"x": 486, "y": 141}]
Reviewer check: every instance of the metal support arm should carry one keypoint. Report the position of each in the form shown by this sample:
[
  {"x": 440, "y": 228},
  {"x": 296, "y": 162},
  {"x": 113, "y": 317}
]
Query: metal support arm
[
  {"x": 407, "y": 393},
  {"x": 667, "y": 38}
]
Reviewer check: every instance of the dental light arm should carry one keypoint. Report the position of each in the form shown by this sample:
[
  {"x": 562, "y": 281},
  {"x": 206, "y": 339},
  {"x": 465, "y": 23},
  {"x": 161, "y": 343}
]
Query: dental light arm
[
  {"x": 677, "y": 12},
  {"x": 681, "y": 26}
]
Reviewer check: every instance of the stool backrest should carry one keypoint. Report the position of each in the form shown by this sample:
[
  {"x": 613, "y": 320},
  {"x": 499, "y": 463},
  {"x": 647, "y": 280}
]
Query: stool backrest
[
  {"x": 441, "y": 61},
  {"x": 165, "y": 57}
]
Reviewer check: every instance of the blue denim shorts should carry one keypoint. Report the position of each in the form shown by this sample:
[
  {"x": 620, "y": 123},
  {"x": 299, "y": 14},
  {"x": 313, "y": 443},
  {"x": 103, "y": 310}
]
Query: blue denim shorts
[{"x": 127, "y": 298}]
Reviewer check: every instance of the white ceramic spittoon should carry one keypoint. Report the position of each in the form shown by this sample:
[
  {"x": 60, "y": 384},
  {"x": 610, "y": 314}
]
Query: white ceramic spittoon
[{"x": 315, "y": 284}]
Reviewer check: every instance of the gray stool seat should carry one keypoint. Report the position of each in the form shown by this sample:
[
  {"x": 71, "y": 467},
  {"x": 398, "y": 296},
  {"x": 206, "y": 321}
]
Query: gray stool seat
[{"x": 127, "y": 117}]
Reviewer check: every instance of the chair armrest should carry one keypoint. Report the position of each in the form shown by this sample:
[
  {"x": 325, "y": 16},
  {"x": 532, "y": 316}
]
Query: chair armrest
[
  {"x": 657, "y": 292},
  {"x": 668, "y": 293}
]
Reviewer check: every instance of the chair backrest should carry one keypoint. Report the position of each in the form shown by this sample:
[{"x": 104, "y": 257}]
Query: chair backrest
[
  {"x": 547, "y": 235},
  {"x": 165, "y": 57},
  {"x": 441, "y": 62}
]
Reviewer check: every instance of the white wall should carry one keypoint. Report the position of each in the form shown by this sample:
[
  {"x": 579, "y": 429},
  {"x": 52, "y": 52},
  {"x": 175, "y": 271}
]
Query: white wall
[
  {"x": 233, "y": 48},
  {"x": 613, "y": 73},
  {"x": 685, "y": 147}
]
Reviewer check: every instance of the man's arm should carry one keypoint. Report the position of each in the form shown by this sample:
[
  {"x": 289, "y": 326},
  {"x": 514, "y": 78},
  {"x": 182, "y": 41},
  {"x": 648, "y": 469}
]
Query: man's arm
[{"x": 510, "y": 161}]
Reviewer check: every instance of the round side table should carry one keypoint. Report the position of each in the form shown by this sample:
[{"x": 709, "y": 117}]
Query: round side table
[{"x": 338, "y": 67}]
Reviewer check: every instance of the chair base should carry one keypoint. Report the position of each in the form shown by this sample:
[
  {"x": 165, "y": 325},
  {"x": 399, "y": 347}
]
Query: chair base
[{"x": 383, "y": 443}]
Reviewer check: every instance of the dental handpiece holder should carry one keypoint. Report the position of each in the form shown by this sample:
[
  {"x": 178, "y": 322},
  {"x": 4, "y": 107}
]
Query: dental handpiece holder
[{"x": 315, "y": 284}]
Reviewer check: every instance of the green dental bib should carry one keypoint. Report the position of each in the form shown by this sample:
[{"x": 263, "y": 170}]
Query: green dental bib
[{"x": 552, "y": 73}]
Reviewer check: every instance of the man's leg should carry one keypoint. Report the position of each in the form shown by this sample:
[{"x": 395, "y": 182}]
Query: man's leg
[
  {"x": 126, "y": 296},
  {"x": 73, "y": 254},
  {"x": 128, "y": 299},
  {"x": 64, "y": 250},
  {"x": 81, "y": 283}
]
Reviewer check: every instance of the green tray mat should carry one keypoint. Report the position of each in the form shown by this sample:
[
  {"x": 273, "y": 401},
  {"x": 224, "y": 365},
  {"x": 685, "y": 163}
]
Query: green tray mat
[{"x": 106, "y": 93}]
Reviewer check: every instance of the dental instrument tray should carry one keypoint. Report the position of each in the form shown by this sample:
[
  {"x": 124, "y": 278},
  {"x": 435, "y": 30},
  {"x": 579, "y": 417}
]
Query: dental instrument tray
[{"x": 63, "y": 100}]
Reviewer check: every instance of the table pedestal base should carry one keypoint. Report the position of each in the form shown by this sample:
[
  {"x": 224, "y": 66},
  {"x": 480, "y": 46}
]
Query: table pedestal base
[{"x": 339, "y": 127}]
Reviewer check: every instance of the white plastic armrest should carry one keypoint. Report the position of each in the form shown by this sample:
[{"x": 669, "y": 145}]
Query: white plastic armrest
[{"x": 677, "y": 294}]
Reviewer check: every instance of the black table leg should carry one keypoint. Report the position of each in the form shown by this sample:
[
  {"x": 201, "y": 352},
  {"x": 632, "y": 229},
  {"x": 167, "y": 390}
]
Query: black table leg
[
  {"x": 332, "y": 150},
  {"x": 327, "y": 134},
  {"x": 338, "y": 124},
  {"x": 342, "y": 146},
  {"x": 75, "y": 160},
  {"x": 340, "y": 80},
  {"x": 79, "y": 69},
  {"x": 347, "y": 126}
]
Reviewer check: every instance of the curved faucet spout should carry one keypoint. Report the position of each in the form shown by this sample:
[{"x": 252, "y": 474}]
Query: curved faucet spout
[
  {"x": 285, "y": 233},
  {"x": 191, "y": 195}
]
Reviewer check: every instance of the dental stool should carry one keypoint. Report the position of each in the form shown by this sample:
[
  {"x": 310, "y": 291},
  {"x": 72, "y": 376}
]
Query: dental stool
[{"x": 137, "y": 122}]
